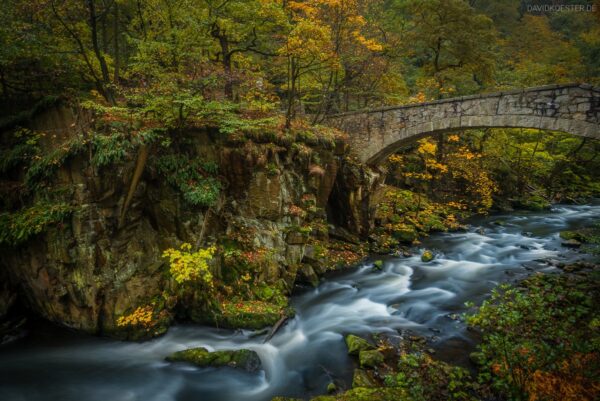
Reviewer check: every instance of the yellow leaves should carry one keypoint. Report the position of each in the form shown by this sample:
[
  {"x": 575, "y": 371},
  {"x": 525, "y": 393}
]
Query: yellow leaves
[
  {"x": 143, "y": 316},
  {"x": 426, "y": 147},
  {"x": 453, "y": 138},
  {"x": 187, "y": 266},
  {"x": 418, "y": 98},
  {"x": 396, "y": 159},
  {"x": 370, "y": 44}
]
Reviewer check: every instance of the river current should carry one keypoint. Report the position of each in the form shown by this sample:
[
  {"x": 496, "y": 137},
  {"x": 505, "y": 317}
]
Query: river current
[{"x": 309, "y": 351}]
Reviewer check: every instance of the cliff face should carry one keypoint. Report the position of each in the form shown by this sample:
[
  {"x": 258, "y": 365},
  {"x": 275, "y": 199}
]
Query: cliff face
[{"x": 92, "y": 268}]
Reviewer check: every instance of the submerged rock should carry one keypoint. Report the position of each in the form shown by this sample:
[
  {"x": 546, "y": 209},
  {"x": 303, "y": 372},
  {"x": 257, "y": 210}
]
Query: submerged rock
[
  {"x": 245, "y": 359},
  {"x": 357, "y": 344}
]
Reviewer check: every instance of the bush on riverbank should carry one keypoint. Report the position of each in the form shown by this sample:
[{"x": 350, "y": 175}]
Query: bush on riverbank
[{"x": 541, "y": 340}]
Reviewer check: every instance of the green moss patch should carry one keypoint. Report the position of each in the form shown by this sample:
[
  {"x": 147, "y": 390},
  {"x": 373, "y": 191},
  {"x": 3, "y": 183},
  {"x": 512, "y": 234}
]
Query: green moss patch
[
  {"x": 356, "y": 344},
  {"x": 245, "y": 359},
  {"x": 250, "y": 314}
]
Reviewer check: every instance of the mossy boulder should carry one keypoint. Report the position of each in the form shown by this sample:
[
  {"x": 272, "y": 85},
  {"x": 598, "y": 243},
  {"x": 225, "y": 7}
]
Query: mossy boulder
[
  {"x": 356, "y": 344},
  {"x": 406, "y": 235},
  {"x": 245, "y": 359},
  {"x": 251, "y": 314},
  {"x": 571, "y": 243},
  {"x": 370, "y": 358},
  {"x": 567, "y": 235},
  {"x": 427, "y": 256},
  {"x": 331, "y": 388},
  {"x": 362, "y": 378}
]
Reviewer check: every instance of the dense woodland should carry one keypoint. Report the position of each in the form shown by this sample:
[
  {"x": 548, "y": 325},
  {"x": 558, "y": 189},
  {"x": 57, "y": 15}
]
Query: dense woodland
[
  {"x": 281, "y": 66},
  {"x": 150, "y": 74}
]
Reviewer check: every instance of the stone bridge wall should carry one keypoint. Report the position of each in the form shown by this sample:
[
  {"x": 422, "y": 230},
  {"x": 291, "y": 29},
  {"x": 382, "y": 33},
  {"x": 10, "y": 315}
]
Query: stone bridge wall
[{"x": 375, "y": 134}]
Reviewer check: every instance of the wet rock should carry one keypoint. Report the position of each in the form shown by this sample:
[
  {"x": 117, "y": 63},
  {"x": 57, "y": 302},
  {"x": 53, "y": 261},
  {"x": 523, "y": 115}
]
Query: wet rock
[
  {"x": 356, "y": 344},
  {"x": 307, "y": 274},
  {"x": 362, "y": 378},
  {"x": 243, "y": 358},
  {"x": 342, "y": 234},
  {"x": 476, "y": 358},
  {"x": 571, "y": 243},
  {"x": 370, "y": 359},
  {"x": 427, "y": 256},
  {"x": 296, "y": 238},
  {"x": 569, "y": 235},
  {"x": 12, "y": 330},
  {"x": 251, "y": 315},
  {"x": 453, "y": 316}
]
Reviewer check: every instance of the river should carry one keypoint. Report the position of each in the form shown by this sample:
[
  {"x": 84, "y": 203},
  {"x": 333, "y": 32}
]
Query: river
[{"x": 303, "y": 357}]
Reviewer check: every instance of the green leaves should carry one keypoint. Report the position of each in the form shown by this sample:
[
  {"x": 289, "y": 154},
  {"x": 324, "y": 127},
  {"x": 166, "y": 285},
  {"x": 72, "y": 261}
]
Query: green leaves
[
  {"x": 191, "y": 177},
  {"x": 18, "y": 227},
  {"x": 535, "y": 331}
]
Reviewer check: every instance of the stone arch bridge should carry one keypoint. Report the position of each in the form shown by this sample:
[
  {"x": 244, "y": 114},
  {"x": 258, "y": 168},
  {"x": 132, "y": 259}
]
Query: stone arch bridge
[{"x": 375, "y": 134}]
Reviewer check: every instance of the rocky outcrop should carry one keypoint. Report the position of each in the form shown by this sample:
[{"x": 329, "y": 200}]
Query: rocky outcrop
[{"x": 96, "y": 266}]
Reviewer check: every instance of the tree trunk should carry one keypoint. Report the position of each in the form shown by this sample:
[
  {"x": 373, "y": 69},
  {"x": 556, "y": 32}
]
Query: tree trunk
[
  {"x": 108, "y": 93},
  {"x": 289, "y": 116},
  {"x": 116, "y": 34}
]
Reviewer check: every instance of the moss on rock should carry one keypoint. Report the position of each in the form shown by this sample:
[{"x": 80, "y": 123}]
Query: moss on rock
[
  {"x": 251, "y": 314},
  {"x": 356, "y": 344},
  {"x": 427, "y": 256},
  {"x": 370, "y": 358},
  {"x": 361, "y": 378},
  {"x": 243, "y": 358}
]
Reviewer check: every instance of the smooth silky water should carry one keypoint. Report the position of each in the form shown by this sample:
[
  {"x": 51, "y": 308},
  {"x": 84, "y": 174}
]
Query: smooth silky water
[{"x": 309, "y": 351}]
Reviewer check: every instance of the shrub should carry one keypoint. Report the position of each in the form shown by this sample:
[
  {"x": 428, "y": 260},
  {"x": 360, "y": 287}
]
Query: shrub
[
  {"x": 541, "y": 340},
  {"x": 18, "y": 227},
  {"x": 192, "y": 178},
  {"x": 187, "y": 266}
]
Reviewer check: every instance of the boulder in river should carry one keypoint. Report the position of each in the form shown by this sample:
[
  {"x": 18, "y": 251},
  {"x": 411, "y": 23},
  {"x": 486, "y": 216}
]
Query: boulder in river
[
  {"x": 245, "y": 359},
  {"x": 427, "y": 256}
]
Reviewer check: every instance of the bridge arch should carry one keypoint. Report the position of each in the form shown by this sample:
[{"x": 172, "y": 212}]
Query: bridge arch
[{"x": 373, "y": 135}]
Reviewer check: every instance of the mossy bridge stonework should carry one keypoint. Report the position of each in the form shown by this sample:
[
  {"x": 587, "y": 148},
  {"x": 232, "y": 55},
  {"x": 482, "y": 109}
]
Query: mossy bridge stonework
[{"x": 375, "y": 134}]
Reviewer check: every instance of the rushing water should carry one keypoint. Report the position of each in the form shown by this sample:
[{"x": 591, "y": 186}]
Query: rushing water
[{"x": 307, "y": 353}]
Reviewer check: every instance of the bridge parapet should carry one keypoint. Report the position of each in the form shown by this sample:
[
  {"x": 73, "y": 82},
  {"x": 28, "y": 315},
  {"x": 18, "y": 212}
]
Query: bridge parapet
[{"x": 375, "y": 134}]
